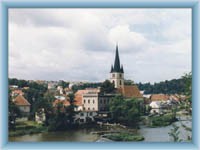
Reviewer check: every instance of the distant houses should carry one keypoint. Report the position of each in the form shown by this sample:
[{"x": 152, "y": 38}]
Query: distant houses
[{"x": 91, "y": 103}]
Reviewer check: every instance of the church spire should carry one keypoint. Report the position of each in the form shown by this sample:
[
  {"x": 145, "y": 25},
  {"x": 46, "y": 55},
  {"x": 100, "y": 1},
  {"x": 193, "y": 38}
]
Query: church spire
[
  {"x": 117, "y": 61},
  {"x": 111, "y": 69}
]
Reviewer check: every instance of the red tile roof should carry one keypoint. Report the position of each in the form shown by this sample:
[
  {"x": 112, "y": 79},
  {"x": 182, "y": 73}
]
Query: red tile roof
[
  {"x": 130, "y": 91},
  {"x": 78, "y": 97},
  {"x": 159, "y": 97},
  {"x": 21, "y": 101}
]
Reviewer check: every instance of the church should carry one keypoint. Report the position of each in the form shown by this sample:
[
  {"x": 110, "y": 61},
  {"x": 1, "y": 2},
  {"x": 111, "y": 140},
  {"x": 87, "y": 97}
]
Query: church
[{"x": 117, "y": 78}]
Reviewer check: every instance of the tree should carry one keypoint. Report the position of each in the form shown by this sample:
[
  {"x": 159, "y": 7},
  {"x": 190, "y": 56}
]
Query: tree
[
  {"x": 125, "y": 111},
  {"x": 107, "y": 87},
  {"x": 13, "y": 112},
  {"x": 188, "y": 91},
  {"x": 128, "y": 82},
  {"x": 63, "y": 116}
]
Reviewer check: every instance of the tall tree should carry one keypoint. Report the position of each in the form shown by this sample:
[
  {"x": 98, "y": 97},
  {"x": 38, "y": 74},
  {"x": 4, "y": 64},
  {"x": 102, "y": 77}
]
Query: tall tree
[
  {"x": 107, "y": 87},
  {"x": 13, "y": 112}
]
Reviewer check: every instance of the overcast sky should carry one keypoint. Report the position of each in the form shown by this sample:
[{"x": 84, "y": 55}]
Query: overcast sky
[{"x": 79, "y": 44}]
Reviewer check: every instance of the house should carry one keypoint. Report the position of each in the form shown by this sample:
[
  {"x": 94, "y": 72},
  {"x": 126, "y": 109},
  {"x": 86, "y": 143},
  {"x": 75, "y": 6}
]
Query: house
[
  {"x": 60, "y": 89},
  {"x": 159, "y": 97},
  {"x": 40, "y": 116},
  {"x": 22, "y": 104},
  {"x": 156, "y": 107}
]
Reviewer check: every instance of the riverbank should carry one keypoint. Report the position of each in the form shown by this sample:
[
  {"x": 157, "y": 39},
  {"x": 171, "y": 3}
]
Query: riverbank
[
  {"x": 27, "y": 128},
  {"x": 161, "y": 134},
  {"x": 156, "y": 134}
]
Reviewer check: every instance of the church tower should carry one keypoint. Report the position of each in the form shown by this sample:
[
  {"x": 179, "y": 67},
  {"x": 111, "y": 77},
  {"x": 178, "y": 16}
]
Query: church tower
[{"x": 117, "y": 72}]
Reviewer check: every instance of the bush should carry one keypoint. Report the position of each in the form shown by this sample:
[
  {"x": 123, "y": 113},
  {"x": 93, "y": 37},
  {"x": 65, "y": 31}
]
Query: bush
[{"x": 164, "y": 120}]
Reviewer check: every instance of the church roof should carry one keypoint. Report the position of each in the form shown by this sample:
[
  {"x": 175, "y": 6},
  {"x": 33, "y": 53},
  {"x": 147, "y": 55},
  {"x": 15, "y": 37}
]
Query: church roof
[
  {"x": 117, "y": 67},
  {"x": 130, "y": 91}
]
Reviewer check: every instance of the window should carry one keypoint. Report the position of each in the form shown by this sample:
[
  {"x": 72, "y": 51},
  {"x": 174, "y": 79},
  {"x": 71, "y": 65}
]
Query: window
[
  {"x": 88, "y": 108},
  {"x": 84, "y": 101},
  {"x": 83, "y": 108},
  {"x": 81, "y": 114},
  {"x": 93, "y": 108},
  {"x": 120, "y": 75},
  {"x": 100, "y": 101},
  {"x": 88, "y": 101},
  {"x": 93, "y": 101},
  {"x": 120, "y": 82},
  {"x": 113, "y": 75},
  {"x": 91, "y": 113}
]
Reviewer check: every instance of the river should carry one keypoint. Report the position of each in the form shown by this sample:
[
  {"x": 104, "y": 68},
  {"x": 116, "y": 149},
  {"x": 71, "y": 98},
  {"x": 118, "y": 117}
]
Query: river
[{"x": 159, "y": 134}]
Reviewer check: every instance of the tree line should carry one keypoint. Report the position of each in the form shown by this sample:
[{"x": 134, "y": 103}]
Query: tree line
[{"x": 174, "y": 86}]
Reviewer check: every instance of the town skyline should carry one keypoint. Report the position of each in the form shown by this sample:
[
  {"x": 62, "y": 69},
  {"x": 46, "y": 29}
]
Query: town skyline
[{"x": 55, "y": 48}]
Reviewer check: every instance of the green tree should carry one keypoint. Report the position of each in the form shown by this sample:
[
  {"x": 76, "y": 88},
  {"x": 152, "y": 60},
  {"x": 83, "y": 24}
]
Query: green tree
[
  {"x": 107, "y": 87},
  {"x": 63, "y": 117},
  {"x": 125, "y": 111},
  {"x": 13, "y": 112}
]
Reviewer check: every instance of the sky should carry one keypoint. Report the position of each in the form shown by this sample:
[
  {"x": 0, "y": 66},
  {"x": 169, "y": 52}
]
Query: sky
[{"x": 79, "y": 44}]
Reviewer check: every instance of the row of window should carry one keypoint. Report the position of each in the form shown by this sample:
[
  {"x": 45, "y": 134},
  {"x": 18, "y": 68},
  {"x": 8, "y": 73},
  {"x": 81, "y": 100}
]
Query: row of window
[
  {"x": 104, "y": 101},
  {"x": 84, "y": 101},
  {"x": 90, "y": 114},
  {"x": 88, "y": 108}
]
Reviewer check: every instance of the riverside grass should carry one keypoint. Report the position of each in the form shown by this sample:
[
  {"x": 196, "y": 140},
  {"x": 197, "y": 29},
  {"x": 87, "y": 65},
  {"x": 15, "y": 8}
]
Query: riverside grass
[{"x": 27, "y": 127}]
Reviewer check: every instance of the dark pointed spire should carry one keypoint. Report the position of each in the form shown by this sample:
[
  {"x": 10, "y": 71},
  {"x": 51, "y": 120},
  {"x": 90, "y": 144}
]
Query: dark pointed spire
[
  {"x": 122, "y": 69},
  {"x": 117, "y": 61},
  {"x": 111, "y": 69}
]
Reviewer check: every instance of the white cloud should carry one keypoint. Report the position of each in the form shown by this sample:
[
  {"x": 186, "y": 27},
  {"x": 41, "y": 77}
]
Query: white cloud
[{"x": 79, "y": 44}]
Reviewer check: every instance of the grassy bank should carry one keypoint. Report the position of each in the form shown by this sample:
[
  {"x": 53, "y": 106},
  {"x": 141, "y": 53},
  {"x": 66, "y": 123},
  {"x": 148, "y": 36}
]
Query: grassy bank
[
  {"x": 164, "y": 120},
  {"x": 123, "y": 137},
  {"x": 27, "y": 127}
]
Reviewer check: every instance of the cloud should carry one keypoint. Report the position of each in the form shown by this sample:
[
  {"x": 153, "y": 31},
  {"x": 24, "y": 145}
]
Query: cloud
[{"x": 79, "y": 44}]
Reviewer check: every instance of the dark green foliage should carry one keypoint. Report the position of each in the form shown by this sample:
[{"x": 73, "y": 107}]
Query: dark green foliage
[
  {"x": 124, "y": 137},
  {"x": 165, "y": 87},
  {"x": 63, "y": 84},
  {"x": 188, "y": 86},
  {"x": 20, "y": 83},
  {"x": 14, "y": 112},
  {"x": 27, "y": 127},
  {"x": 127, "y": 112},
  {"x": 85, "y": 85},
  {"x": 107, "y": 87},
  {"x": 128, "y": 82},
  {"x": 165, "y": 120},
  {"x": 63, "y": 116}
]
